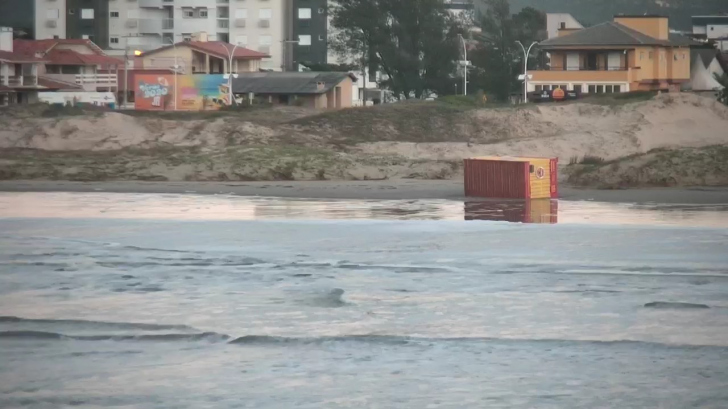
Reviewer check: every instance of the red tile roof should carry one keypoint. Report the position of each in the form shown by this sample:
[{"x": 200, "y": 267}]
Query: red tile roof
[
  {"x": 18, "y": 57},
  {"x": 60, "y": 56},
  {"x": 219, "y": 49}
]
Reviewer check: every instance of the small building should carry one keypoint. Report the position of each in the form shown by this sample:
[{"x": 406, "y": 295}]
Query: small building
[
  {"x": 321, "y": 90},
  {"x": 631, "y": 53},
  {"x": 712, "y": 28},
  {"x": 200, "y": 56},
  {"x": 28, "y": 67}
]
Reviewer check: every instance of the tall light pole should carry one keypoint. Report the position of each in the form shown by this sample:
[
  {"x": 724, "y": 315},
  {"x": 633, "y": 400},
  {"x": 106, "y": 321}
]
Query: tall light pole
[
  {"x": 176, "y": 68},
  {"x": 464, "y": 63},
  {"x": 525, "y": 69},
  {"x": 230, "y": 55}
]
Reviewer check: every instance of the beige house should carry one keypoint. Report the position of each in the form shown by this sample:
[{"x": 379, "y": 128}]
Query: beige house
[
  {"x": 319, "y": 90},
  {"x": 631, "y": 53},
  {"x": 200, "y": 56}
]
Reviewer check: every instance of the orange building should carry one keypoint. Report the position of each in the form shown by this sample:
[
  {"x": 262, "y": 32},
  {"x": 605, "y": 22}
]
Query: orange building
[{"x": 631, "y": 53}]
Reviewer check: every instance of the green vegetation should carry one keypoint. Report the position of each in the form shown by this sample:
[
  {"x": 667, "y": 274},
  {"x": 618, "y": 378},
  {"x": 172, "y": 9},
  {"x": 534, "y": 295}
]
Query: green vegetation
[
  {"x": 723, "y": 93},
  {"x": 707, "y": 166}
]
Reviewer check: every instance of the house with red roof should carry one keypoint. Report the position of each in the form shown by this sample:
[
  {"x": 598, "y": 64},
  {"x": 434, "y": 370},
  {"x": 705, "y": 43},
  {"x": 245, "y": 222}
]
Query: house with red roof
[
  {"x": 200, "y": 56},
  {"x": 31, "y": 66},
  {"x": 73, "y": 61}
]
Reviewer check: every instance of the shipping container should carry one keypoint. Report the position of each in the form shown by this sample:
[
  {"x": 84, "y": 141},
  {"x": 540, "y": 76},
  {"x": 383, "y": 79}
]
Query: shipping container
[{"x": 511, "y": 178}]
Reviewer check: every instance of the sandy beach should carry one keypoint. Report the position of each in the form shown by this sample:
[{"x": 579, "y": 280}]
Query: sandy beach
[{"x": 374, "y": 190}]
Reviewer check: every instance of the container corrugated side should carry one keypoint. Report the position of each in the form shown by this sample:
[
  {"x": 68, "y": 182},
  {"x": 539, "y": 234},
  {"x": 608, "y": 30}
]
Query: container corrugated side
[{"x": 496, "y": 179}]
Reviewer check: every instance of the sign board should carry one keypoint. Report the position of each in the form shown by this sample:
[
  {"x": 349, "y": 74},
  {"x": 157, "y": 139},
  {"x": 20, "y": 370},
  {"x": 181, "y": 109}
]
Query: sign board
[
  {"x": 200, "y": 92},
  {"x": 557, "y": 94}
]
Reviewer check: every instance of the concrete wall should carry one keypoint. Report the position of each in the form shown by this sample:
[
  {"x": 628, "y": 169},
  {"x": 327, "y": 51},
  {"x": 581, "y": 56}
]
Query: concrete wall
[
  {"x": 656, "y": 27},
  {"x": 42, "y": 19},
  {"x": 254, "y": 35}
]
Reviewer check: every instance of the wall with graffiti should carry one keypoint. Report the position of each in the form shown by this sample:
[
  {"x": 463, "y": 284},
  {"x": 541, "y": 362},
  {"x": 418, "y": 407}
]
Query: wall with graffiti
[{"x": 154, "y": 92}]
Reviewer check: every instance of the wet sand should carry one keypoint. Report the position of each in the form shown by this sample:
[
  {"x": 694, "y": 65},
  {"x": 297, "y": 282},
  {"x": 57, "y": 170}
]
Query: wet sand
[{"x": 386, "y": 189}]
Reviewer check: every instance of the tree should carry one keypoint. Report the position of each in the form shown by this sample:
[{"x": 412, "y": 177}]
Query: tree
[
  {"x": 722, "y": 94},
  {"x": 413, "y": 42},
  {"x": 498, "y": 59}
]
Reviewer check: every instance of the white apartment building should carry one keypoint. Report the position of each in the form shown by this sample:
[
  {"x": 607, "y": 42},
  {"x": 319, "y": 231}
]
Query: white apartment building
[
  {"x": 713, "y": 28},
  {"x": 50, "y": 19},
  {"x": 149, "y": 24}
]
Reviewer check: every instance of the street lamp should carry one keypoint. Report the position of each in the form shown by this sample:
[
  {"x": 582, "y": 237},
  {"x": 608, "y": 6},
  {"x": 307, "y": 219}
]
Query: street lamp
[
  {"x": 176, "y": 68},
  {"x": 230, "y": 74},
  {"x": 525, "y": 68},
  {"x": 465, "y": 64},
  {"x": 137, "y": 53}
]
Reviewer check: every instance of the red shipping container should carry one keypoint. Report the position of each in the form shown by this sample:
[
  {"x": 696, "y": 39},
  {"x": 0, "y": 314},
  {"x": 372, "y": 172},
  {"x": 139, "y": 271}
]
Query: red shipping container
[{"x": 511, "y": 178}]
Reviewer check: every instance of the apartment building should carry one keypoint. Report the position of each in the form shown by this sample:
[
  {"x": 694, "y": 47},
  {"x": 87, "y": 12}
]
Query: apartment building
[{"x": 310, "y": 31}]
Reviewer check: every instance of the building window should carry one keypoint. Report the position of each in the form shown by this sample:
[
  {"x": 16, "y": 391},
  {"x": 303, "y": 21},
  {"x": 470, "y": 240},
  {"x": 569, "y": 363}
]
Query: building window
[
  {"x": 642, "y": 55},
  {"x": 304, "y": 39},
  {"x": 186, "y": 36},
  {"x": 265, "y": 13},
  {"x": 114, "y": 40},
  {"x": 188, "y": 13},
  {"x": 617, "y": 88},
  {"x": 87, "y": 14},
  {"x": 241, "y": 13},
  {"x": 600, "y": 89},
  {"x": 265, "y": 40},
  {"x": 592, "y": 89},
  {"x": 304, "y": 13},
  {"x": 652, "y": 55},
  {"x": 322, "y": 37},
  {"x": 203, "y": 13},
  {"x": 114, "y": 14},
  {"x": 577, "y": 89},
  {"x": 539, "y": 88},
  {"x": 322, "y": 10},
  {"x": 608, "y": 89},
  {"x": 241, "y": 40},
  {"x": 52, "y": 13}
]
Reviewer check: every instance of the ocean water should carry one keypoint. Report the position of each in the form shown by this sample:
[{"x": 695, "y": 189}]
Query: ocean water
[{"x": 164, "y": 301}]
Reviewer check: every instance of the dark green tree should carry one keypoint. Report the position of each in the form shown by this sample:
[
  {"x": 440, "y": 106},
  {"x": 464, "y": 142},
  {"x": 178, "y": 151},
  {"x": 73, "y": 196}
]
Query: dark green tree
[
  {"x": 498, "y": 59},
  {"x": 722, "y": 94},
  {"x": 413, "y": 42}
]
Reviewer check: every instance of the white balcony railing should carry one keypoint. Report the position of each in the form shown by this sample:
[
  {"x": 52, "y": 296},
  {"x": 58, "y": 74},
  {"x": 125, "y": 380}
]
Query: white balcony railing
[{"x": 89, "y": 82}]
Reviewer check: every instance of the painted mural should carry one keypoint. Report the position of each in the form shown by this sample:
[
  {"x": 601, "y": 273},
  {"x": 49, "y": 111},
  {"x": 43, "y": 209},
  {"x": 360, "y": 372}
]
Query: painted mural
[{"x": 155, "y": 92}]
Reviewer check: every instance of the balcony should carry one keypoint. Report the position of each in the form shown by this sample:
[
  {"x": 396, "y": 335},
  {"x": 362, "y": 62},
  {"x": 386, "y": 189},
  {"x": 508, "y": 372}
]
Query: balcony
[
  {"x": 223, "y": 23},
  {"x": 89, "y": 82},
  {"x": 580, "y": 74},
  {"x": 21, "y": 81},
  {"x": 152, "y": 3}
]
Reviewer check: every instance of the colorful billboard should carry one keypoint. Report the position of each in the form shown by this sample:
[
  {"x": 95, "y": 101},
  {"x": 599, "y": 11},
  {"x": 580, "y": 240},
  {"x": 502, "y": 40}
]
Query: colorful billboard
[{"x": 156, "y": 92}]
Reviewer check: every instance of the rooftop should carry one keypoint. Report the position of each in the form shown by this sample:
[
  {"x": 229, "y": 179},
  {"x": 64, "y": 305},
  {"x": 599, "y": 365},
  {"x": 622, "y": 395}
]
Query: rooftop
[
  {"x": 49, "y": 52},
  {"x": 220, "y": 49},
  {"x": 288, "y": 82},
  {"x": 612, "y": 33}
]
